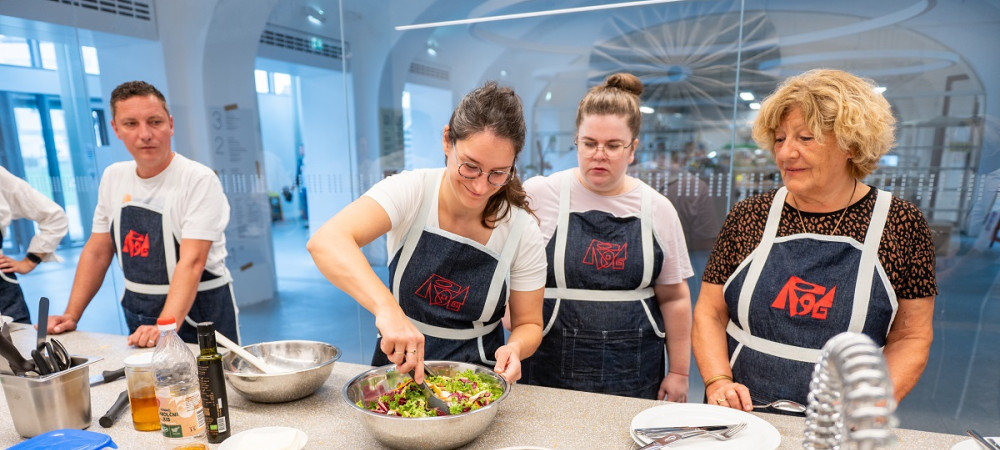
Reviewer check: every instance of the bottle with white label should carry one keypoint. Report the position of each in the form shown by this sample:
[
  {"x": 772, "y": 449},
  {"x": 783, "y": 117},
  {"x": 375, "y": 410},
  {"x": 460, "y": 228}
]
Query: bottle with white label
[{"x": 175, "y": 374}]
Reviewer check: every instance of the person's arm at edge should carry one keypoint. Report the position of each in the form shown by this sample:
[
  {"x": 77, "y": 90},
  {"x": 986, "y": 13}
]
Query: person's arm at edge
[
  {"x": 708, "y": 341},
  {"x": 336, "y": 250},
  {"x": 908, "y": 344},
  {"x": 675, "y": 306},
  {"x": 525, "y": 311},
  {"x": 93, "y": 265}
]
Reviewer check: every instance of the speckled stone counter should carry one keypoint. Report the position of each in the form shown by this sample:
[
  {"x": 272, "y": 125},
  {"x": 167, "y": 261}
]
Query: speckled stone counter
[{"x": 532, "y": 416}]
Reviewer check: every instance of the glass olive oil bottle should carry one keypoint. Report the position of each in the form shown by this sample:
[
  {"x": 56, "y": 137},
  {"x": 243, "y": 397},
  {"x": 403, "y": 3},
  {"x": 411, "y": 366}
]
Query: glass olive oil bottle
[{"x": 212, "y": 383}]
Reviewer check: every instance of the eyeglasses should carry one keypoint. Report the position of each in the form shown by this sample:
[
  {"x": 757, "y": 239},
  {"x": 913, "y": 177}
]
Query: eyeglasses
[
  {"x": 613, "y": 149},
  {"x": 470, "y": 171}
]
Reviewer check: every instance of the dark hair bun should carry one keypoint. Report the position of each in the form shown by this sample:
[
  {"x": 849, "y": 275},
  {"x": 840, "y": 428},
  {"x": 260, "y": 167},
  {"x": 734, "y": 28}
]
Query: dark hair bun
[{"x": 626, "y": 82}]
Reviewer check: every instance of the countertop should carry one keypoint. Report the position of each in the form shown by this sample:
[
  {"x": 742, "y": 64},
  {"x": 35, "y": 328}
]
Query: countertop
[{"x": 532, "y": 416}]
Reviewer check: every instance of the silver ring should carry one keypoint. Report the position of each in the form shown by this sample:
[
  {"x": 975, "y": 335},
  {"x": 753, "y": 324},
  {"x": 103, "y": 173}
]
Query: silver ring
[
  {"x": 151, "y": 341},
  {"x": 397, "y": 352},
  {"x": 412, "y": 351}
]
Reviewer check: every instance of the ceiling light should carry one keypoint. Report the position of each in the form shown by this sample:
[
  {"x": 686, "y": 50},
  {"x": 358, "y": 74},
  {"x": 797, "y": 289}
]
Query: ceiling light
[
  {"x": 879, "y": 89},
  {"x": 746, "y": 96},
  {"x": 646, "y": 110},
  {"x": 755, "y": 106},
  {"x": 315, "y": 15},
  {"x": 550, "y": 12},
  {"x": 548, "y": 95}
]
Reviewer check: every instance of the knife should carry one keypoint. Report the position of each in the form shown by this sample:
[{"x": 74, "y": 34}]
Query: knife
[
  {"x": 663, "y": 430},
  {"x": 982, "y": 441},
  {"x": 107, "y": 376},
  {"x": 109, "y": 418}
]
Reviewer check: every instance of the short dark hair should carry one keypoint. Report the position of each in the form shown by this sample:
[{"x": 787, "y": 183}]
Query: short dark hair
[{"x": 131, "y": 89}]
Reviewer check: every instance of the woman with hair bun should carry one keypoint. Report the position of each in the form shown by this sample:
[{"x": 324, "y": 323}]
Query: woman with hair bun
[{"x": 617, "y": 262}]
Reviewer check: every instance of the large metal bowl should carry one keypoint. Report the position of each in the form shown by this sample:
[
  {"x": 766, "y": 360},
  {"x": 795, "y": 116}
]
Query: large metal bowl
[
  {"x": 441, "y": 432},
  {"x": 301, "y": 366}
]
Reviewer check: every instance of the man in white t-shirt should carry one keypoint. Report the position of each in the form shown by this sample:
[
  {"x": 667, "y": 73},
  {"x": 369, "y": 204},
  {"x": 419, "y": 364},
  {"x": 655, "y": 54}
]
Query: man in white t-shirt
[{"x": 164, "y": 217}]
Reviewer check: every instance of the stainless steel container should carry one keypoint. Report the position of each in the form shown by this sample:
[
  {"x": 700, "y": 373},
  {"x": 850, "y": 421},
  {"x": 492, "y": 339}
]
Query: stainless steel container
[
  {"x": 428, "y": 433},
  {"x": 42, "y": 404}
]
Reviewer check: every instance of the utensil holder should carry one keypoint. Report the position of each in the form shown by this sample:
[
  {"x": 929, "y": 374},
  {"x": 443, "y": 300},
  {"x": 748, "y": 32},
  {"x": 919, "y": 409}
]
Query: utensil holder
[{"x": 42, "y": 404}]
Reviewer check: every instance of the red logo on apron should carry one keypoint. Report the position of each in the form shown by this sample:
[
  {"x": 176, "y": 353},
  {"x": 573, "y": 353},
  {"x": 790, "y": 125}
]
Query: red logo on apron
[
  {"x": 443, "y": 292},
  {"x": 136, "y": 244},
  {"x": 801, "y": 298},
  {"x": 604, "y": 255}
]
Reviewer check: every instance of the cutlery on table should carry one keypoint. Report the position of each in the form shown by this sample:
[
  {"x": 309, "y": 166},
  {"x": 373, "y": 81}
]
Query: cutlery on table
[
  {"x": 107, "y": 376},
  {"x": 654, "y": 432},
  {"x": 783, "y": 405},
  {"x": 986, "y": 443},
  {"x": 672, "y": 437}
]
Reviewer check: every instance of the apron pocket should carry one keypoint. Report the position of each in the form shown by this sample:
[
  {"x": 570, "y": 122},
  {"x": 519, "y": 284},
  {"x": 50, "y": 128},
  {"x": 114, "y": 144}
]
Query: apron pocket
[{"x": 602, "y": 356}]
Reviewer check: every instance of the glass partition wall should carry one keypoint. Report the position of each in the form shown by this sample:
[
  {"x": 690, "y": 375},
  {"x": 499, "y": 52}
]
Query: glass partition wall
[{"x": 705, "y": 67}]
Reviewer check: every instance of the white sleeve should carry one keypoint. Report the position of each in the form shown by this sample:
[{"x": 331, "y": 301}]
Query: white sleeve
[
  {"x": 528, "y": 270},
  {"x": 203, "y": 206},
  {"x": 670, "y": 235},
  {"x": 104, "y": 209},
  {"x": 25, "y": 202},
  {"x": 400, "y": 195}
]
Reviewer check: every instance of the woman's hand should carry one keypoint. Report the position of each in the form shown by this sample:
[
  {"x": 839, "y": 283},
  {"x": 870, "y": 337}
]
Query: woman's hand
[
  {"x": 508, "y": 363},
  {"x": 401, "y": 342},
  {"x": 673, "y": 388},
  {"x": 729, "y": 394}
]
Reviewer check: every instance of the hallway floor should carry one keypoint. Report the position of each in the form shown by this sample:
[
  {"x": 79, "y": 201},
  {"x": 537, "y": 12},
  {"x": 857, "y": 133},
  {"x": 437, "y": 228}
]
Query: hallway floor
[{"x": 960, "y": 388}]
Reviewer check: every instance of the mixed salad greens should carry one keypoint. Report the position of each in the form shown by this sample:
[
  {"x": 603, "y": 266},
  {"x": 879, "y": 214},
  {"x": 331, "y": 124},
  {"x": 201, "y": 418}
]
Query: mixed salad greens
[{"x": 464, "y": 392}]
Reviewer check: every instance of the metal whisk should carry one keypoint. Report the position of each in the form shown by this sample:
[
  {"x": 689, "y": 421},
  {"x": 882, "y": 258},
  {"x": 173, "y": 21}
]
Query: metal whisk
[{"x": 851, "y": 399}]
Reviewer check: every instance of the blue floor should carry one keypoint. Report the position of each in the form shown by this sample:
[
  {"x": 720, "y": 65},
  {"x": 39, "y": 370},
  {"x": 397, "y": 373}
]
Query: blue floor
[{"x": 960, "y": 388}]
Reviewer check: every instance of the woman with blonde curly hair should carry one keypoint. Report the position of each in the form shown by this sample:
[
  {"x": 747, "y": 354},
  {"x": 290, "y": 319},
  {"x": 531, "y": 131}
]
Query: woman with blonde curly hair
[{"x": 822, "y": 255}]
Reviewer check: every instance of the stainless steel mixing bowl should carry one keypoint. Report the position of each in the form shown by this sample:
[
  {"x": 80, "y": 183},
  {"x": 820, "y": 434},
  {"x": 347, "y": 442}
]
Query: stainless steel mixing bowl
[
  {"x": 301, "y": 366},
  {"x": 441, "y": 432}
]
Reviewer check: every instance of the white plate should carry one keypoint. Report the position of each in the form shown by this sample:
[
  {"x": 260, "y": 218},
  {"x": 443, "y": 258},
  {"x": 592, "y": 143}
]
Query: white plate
[
  {"x": 757, "y": 435},
  {"x": 266, "y": 438},
  {"x": 972, "y": 444}
]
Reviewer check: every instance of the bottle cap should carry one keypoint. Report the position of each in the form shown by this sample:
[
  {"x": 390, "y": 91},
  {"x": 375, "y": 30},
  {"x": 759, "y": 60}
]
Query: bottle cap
[
  {"x": 166, "y": 323},
  {"x": 206, "y": 335}
]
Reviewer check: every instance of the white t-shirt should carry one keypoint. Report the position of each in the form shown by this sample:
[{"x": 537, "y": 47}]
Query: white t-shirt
[
  {"x": 543, "y": 196},
  {"x": 401, "y": 196},
  {"x": 18, "y": 200},
  {"x": 199, "y": 209}
]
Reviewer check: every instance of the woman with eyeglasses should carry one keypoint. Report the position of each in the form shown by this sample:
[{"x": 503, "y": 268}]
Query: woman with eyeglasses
[
  {"x": 617, "y": 263},
  {"x": 462, "y": 246}
]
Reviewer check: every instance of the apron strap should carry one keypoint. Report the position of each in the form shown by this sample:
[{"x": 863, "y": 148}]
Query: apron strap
[
  {"x": 646, "y": 228},
  {"x": 562, "y": 226},
  {"x": 807, "y": 355},
  {"x": 757, "y": 264},
  {"x": 162, "y": 289},
  {"x": 869, "y": 257},
  {"x": 591, "y": 295},
  {"x": 478, "y": 330},
  {"x": 413, "y": 234}
]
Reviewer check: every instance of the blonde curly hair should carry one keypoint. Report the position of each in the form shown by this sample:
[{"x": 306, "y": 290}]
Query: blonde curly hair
[{"x": 838, "y": 102}]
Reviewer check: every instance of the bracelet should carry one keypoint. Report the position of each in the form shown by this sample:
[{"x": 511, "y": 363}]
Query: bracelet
[
  {"x": 717, "y": 378},
  {"x": 677, "y": 373}
]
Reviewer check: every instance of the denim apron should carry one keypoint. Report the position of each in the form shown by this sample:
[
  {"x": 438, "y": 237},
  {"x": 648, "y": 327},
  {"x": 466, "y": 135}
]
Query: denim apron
[
  {"x": 603, "y": 326},
  {"x": 12, "y": 302},
  {"x": 148, "y": 250},
  {"x": 793, "y": 293},
  {"x": 453, "y": 289}
]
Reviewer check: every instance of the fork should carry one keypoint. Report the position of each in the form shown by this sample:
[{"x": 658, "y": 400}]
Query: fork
[{"x": 728, "y": 434}]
